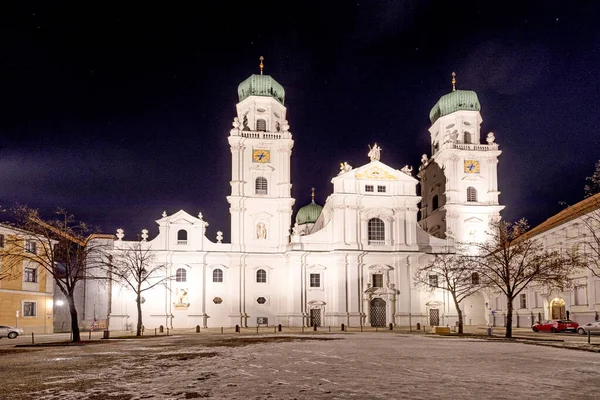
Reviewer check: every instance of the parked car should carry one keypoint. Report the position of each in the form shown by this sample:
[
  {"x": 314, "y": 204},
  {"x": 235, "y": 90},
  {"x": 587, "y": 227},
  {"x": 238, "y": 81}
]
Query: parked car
[
  {"x": 591, "y": 327},
  {"x": 10, "y": 332},
  {"x": 556, "y": 325}
]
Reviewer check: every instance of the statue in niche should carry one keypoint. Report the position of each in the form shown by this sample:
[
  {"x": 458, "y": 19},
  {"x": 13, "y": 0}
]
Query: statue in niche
[
  {"x": 261, "y": 231},
  {"x": 277, "y": 126},
  {"x": 374, "y": 152},
  {"x": 245, "y": 123},
  {"x": 182, "y": 296}
]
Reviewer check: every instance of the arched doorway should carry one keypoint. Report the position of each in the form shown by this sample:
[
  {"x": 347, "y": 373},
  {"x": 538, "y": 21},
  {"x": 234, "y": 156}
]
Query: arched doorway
[
  {"x": 558, "y": 309},
  {"x": 377, "y": 312}
]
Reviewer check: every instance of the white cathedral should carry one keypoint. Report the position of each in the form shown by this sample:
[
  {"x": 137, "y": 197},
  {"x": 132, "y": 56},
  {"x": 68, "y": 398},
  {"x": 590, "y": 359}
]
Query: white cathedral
[{"x": 350, "y": 261}]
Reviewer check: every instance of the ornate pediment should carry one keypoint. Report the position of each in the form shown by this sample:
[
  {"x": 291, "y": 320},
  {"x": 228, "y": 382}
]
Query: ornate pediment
[{"x": 376, "y": 173}]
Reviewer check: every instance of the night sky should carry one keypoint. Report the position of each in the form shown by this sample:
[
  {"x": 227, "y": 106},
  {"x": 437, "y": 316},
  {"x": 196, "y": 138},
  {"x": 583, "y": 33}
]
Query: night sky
[{"x": 117, "y": 112}]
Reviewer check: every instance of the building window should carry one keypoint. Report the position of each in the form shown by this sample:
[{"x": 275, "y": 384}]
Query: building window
[
  {"x": 433, "y": 280},
  {"x": 315, "y": 280},
  {"x": 218, "y": 275},
  {"x": 2, "y": 242},
  {"x": 30, "y": 246},
  {"x": 261, "y": 300},
  {"x": 369, "y": 188},
  {"x": 29, "y": 309},
  {"x": 471, "y": 194},
  {"x": 523, "y": 300},
  {"x": 468, "y": 137},
  {"x": 260, "y": 185},
  {"x": 580, "y": 295},
  {"x": 181, "y": 275},
  {"x": 182, "y": 236},
  {"x": 539, "y": 300},
  {"x": 475, "y": 278},
  {"x": 261, "y": 276},
  {"x": 376, "y": 231},
  {"x": 378, "y": 280},
  {"x": 261, "y": 125},
  {"x": 380, "y": 189},
  {"x": 30, "y": 275},
  {"x": 435, "y": 202},
  {"x": 217, "y": 300},
  {"x": 499, "y": 303}
]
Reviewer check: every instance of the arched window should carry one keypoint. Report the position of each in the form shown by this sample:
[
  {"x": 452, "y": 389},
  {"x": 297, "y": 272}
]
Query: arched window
[
  {"x": 376, "y": 229},
  {"x": 261, "y": 125},
  {"x": 261, "y": 276},
  {"x": 261, "y": 185},
  {"x": 435, "y": 202},
  {"x": 471, "y": 194},
  {"x": 218, "y": 275},
  {"x": 475, "y": 278},
  {"x": 181, "y": 275},
  {"x": 468, "y": 137},
  {"x": 182, "y": 237}
]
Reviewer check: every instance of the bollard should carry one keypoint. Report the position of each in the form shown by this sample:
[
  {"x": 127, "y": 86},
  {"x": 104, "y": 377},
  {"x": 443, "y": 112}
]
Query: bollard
[
  {"x": 256, "y": 328},
  {"x": 391, "y": 327},
  {"x": 279, "y": 327},
  {"x": 167, "y": 331},
  {"x": 221, "y": 329},
  {"x": 143, "y": 329},
  {"x": 154, "y": 331},
  {"x": 106, "y": 334},
  {"x": 33, "y": 338},
  {"x": 361, "y": 328},
  {"x": 315, "y": 327},
  {"x": 418, "y": 326},
  {"x": 197, "y": 328},
  {"x": 343, "y": 328},
  {"x": 589, "y": 336},
  {"x": 237, "y": 329}
]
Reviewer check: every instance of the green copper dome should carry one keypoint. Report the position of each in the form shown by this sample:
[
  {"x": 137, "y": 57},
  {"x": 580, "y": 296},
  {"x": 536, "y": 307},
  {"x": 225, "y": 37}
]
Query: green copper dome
[
  {"x": 308, "y": 214},
  {"x": 261, "y": 85},
  {"x": 455, "y": 101}
]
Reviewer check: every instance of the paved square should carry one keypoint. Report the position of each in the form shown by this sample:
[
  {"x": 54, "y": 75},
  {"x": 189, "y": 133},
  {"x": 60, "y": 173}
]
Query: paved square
[{"x": 321, "y": 366}]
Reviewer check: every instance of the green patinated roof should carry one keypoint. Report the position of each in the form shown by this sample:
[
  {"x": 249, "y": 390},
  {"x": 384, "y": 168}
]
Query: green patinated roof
[
  {"x": 261, "y": 85},
  {"x": 308, "y": 214},
  {"x": 455, "y": 101}
]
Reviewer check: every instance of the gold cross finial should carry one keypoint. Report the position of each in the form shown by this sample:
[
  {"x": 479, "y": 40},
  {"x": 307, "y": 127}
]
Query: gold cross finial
[
  {"x": 454, "y": 81},
  {"x": 261, "y": 58},
  {"x": 313, "y": 194}
]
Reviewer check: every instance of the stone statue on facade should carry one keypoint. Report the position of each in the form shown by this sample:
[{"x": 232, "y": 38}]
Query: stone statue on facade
[
  {"x": 345, "y": 167},
  {"x": 407, "y": 170},
  {"x": 374, "y": 152},
  {"x": 120, "y": 234},
  {"x": 491, "y": 138},
  {"x": 261, "y": 231}
]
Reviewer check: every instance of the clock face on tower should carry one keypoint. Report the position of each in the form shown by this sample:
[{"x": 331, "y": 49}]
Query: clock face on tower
[
  {"x": 471, "y": 166},
  {"x": 261, "y": 156}
]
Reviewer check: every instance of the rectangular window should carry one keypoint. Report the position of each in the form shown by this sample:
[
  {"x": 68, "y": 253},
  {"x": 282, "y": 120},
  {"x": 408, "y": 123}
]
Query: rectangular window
[
  {"x": 2, "y": 240},
  {"x": 315, "y": 280},
  {"x": 30, "y": 275},
  {"x": 580, "y": 295},
  {"x": 29, "y": 309},
  {"x": 377, "y": 280},
  {"x": 499, "y": 303},
  {"x": 597, "y": 287},
  {"x": 433, "y": 280},
  {"x": 381, "y": 189},
  {"x": 368, "y": 188},
  {"x": 539, "y": 300},
  {"x": 30, "y": 246},
  {"x": 523, "y": 300}
]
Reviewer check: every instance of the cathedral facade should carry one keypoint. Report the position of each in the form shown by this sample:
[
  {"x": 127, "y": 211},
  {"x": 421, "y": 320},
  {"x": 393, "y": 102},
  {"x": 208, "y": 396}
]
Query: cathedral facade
[{"x": 350, "y": 261}]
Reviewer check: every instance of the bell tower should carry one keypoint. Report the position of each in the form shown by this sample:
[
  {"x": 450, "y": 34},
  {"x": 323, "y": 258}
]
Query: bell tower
[
  {"x": 261, "y": 147},
  {"x": 459, "y": 181}
]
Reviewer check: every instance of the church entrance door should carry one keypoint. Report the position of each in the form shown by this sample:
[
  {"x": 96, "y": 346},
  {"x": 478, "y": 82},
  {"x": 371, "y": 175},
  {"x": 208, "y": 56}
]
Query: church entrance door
[
  {"x": 315, "y": 317},
  {"x": 558, "y": 309},
  {"x": 434, "y": 317},
  {"x": 377, "y": 312}
]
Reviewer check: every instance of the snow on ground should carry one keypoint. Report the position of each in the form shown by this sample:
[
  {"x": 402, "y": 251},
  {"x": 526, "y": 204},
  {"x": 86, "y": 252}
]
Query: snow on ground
[{"x": 350, "y": 366}]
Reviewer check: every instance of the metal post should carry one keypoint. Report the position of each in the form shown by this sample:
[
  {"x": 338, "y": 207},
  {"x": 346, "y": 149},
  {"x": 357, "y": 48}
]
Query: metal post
[
  {"x": 33, "y": 338},
  {"x": 221, "y": 330}
]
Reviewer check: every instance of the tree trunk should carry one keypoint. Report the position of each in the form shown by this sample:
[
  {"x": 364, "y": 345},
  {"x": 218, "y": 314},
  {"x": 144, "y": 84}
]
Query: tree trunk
[
  {"x": 138, "y": 331},
  {"x": 74, "y": 319},
  {"x": 460, "y": 314},
  {"x": 509, "y": 315}
]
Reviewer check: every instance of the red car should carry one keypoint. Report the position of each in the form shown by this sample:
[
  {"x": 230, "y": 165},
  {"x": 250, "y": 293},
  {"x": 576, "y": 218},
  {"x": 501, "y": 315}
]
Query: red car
[{"x": 556, "y": 325}]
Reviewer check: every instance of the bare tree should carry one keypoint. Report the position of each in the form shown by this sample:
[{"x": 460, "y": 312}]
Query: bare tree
[
  {"x": 456, "y": 278},
  {"x": 61, "y": 246},
  {"x": 135, "y": 266},
  {"x": 511, "y": 260},
  {"x": 593, "y": 187}
]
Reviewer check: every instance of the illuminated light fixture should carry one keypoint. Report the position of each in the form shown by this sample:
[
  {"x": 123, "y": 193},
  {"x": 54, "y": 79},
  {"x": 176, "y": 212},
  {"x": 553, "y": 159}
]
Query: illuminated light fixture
[{"x": 59, "y": 302}]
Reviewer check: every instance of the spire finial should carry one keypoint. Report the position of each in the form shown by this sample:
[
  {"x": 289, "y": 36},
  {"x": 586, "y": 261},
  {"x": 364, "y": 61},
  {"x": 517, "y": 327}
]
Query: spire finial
[
  {"x": 453, "y": 81},
  {"x": 261, "y": 58},
  {"x": 313, "y": 194}
]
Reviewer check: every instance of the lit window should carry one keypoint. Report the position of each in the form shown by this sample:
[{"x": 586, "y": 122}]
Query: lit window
[
  {"x": 261, "y": 300},
  {"x": 261, "y": 276},
  {"x": 315, "y": 280},
  {"x": 30, "y": 275},
  {"x": 261, "y": 185},
  {"x": 180, "y": 275},
  {"x": 30, "y": 246},
  {"x": 369, "y": 188},
  {"x": 29, "y": 309},
  {"x": 182, "y": 237},
  {"x": 376, "y": 229},
  {"x": 377, "y": 280},
  {"x": 218, "y": 275},
  {"x": 471, "y": 194},
  {"x": 433, "y": 280},
  {"x": 261, "y": 125},
  {"x": 381, "y": 189}
]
